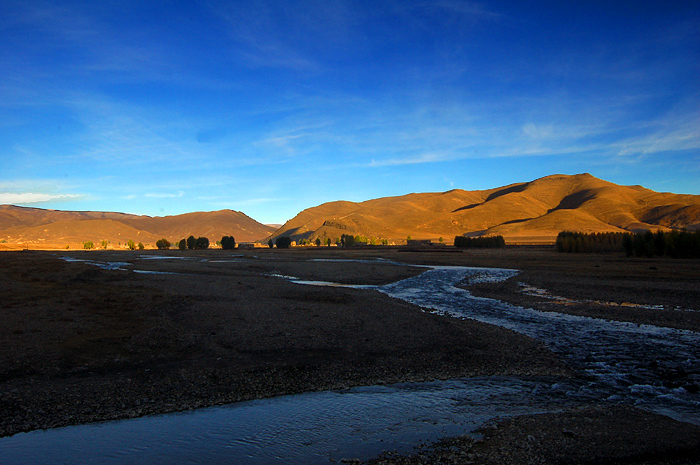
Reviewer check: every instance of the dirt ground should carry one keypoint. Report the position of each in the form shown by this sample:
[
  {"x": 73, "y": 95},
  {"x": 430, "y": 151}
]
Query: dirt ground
[{"x": 80, "y": 343}]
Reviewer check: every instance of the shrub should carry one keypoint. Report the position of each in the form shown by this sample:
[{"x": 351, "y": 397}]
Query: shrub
[
  {"x": 201, "y": 243},
  {"x": 104, "y": 244},
  {"x": 283, "y": 242},
  {"x": 88, "y": 245},
  {"x": 141, "y": 246},
  {"x": 130, "y": 244},
  {"x": 191, "y": 242},
  {"x": 163, "y": 244},
  {"x": 228, "y": 242},
  {"x": 270, "y": 244},
  {"x": 182, "y": 245}
]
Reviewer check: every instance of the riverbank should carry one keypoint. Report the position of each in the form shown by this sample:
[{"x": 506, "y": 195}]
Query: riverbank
[
  {"x": 587, "y": 435},
  {"x": 85, "y": 344}
]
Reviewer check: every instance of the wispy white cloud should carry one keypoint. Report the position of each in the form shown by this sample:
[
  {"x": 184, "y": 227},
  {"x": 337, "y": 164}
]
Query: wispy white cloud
[
  {"x": 264, "y": 35},
  {"x": 673, "y": 132},
  {"x": 96, "y": 46},
  {"x": 413, "y": 160},
  {"x": 33, "y": 197},
  {"x": 165, "y": 195},
  {"x": 538, "y": 131}
]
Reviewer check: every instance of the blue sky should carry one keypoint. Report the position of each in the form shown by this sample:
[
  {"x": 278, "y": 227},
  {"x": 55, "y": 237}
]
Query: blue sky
[{"x": 270, "y": 107}]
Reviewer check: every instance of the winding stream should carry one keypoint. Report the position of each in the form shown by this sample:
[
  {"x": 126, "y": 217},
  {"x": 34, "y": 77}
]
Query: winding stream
[{"x": 655, "y": 368}]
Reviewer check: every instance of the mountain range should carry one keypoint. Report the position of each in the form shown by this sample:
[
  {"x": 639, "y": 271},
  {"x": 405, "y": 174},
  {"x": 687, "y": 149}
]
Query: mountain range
[
  {"x": 56, "y": 229},
  {"x": 528, "y": 212}
]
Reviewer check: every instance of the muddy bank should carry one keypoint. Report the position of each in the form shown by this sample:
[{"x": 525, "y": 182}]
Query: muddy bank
[
  {"x": 589, "y": 435},
  {"x": 81, "y": 343}
]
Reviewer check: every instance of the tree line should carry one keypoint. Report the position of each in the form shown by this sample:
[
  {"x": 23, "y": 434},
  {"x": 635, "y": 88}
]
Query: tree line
[
  {"x": 578, "y": 242},
  {"x": 480, "y": 242},
  {"x": 198, "y": 243},
  {"x": 675, "y": 244}
]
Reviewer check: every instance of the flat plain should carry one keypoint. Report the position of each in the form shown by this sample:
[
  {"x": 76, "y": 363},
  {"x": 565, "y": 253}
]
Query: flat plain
[{"x": 80, "y": 343}]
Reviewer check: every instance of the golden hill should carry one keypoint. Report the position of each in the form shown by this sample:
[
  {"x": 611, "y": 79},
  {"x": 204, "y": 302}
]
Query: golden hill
[
  {"x": 35, "y": 227},
  {"x": 524, "y": 212}
]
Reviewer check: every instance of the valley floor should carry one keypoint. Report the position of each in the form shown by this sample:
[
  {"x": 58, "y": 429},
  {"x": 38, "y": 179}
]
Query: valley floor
[{"x": 80, "y": 343}]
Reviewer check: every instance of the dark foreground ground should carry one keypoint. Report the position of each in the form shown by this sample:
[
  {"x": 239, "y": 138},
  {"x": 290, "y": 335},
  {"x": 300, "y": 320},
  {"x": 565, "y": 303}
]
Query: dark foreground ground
[{"x": 81, "y": 344}]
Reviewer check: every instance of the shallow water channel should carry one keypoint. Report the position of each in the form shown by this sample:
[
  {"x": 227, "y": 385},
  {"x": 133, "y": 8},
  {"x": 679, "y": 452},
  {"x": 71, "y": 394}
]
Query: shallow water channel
[{"x": 655, "y": 368}]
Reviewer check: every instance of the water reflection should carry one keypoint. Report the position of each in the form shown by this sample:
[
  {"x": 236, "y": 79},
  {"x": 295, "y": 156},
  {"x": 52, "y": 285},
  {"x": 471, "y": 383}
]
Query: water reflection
[{"x": 311, "y": 428}]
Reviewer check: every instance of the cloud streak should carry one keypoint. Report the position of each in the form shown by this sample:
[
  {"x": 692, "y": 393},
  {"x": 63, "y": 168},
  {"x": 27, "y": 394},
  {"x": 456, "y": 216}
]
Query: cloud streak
[{"x": 33, "y": 197}]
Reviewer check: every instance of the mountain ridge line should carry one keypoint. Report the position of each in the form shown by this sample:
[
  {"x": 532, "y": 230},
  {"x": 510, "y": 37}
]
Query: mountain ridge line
[{"x": 526, "y": 212}]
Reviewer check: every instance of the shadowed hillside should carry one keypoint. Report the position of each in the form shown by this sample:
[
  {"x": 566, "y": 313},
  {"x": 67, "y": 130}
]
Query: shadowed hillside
[
  {"x": 525, "y": 212},
  {"x": 39, "y": 227}
]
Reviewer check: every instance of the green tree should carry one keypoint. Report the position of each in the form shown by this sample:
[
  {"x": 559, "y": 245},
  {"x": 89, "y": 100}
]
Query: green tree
[
  {"x": 228, "y": 242},
  {"x": 182, "y": 245},
  {"x": 141, "y": 246},
  {"x": 201, "y": 243},
  {"x": 347, "y": 240},
  {"x": 283, "y": 242},
  {"x": 318, "y": 242},
  {"x": 163, "y": 244},
  {"x": 328, "y": 241},
  {"x": 191, "y": 242},
  {"x": 104, "y": 244},
  {"x": 88, "y": 245},
  {"x": 660, "y": 243},
  {"x": 361, "y": 239},
  {"x": 130, "y": 244}
]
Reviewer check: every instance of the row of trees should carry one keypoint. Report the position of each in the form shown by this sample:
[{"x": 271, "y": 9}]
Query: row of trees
[
  {"x": 347, "y": 240},
  {"x": 676, "y": 244},
  {"x": 578, "y": 242},
  {"x": 131, "y": 245},
  {"x": 480, "y": 242},
  {"x": 201, "y": 243},
  {"x": 191, "y": 243}
]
